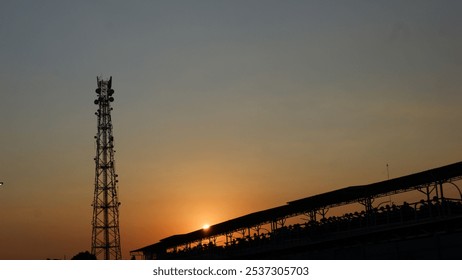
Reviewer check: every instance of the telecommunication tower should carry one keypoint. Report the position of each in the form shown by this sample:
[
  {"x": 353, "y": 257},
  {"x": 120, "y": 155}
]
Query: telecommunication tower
[{"x": 105, "y": 234}]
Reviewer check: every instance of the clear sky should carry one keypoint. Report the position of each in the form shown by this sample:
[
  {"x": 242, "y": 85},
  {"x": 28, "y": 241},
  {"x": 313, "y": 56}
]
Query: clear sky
[{"x": 221, "y": 108}]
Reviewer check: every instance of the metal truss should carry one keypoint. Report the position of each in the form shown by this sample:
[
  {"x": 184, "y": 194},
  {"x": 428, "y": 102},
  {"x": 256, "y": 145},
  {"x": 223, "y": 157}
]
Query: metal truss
[{"x": 105, "y": 223}]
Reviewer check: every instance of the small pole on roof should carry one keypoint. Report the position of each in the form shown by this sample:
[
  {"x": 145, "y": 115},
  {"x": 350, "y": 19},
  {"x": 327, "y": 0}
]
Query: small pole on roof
[
  {"x": 388, "y": 172},
  {"x": 388, "y": 178}
]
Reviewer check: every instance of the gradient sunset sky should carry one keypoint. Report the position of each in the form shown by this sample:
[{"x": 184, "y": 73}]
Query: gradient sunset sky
[{"x": 221, "y": 108}]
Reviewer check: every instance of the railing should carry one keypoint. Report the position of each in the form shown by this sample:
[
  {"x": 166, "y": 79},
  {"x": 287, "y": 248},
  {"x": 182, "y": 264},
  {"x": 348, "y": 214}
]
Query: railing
[{"x": 385, "y": 216}]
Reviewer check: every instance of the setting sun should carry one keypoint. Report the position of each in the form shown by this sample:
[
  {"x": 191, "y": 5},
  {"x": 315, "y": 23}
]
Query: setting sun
[{"x": 205, "y": 227}]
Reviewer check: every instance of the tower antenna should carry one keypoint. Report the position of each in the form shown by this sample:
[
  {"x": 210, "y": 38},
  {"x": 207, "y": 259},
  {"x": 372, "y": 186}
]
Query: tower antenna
[{"x": 105, "y": 240}]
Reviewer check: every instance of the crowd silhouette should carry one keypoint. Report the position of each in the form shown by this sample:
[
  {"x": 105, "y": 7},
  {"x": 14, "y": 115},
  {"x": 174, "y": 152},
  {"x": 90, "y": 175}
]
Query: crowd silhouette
[{"x": 327, "y": 227}]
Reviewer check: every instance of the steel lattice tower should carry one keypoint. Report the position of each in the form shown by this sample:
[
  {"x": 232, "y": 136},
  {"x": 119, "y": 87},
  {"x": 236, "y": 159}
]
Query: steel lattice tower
[{"x": 105, "y": 236}]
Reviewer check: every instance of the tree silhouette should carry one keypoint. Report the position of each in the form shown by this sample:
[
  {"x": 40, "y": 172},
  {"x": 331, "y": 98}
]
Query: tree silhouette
[{"x": 84, "y": 256}]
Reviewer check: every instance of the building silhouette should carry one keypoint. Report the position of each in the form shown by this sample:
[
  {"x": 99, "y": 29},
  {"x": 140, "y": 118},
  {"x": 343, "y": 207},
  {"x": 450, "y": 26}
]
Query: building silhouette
[{"x": 366, "y": 224}]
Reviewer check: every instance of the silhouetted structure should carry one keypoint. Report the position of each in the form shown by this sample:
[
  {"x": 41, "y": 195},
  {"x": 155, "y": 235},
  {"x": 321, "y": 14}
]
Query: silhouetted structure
[
  {"x": 105, "y": 234},
  {"x": 429, "y": 228},
  {"x": 84, "y": 256}
]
